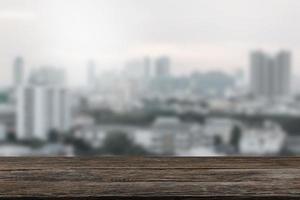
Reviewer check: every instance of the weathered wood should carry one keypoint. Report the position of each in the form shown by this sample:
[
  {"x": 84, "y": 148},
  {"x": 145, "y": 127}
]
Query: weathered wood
[{"x": 163, "y": 178}]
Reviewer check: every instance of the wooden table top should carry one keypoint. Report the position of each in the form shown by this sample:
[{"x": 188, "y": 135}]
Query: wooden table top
[{"x": 148, "y": 178}]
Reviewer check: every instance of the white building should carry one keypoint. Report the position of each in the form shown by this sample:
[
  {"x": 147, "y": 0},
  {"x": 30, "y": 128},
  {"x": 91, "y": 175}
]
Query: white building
[
  {"x": 15, "y": 150},
  {"x": 200, "y": 152},
  {"x": 167, "y": 135},
  {"x": 40, "y": 109},
  {"x": 171, "y": 135},
  {"x": 270, "y": 77},
  {"x": 47, "y": 150},
  {"x": 266, "y": 140},
  {"x": 221, "y": 127}
]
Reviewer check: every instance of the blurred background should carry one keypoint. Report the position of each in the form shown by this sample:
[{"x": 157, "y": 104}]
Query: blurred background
[{"x": 141, "y": 77}]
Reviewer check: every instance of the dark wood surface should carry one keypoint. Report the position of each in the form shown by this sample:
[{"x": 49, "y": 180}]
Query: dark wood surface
[{"x": 148, "y": 178}]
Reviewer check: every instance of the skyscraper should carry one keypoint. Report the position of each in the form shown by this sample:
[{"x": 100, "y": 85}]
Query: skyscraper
[
  {"x": 91, "y": 74},
  {"x": 47, "y": 76},
  {"x": 40, "y": 109},
  {"x": 283, "y": 61},
  {"x": 147, "y": 67},
  {"x": 139, "y": 69},
  {"x": 162, "y": 67},
  {"x": 270, "y": 76},
  {"x": 18, "y": 71}
]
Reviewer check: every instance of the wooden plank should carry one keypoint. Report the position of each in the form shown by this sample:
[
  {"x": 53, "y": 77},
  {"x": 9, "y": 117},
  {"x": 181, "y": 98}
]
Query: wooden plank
[
  {"x": 167, "y": 178},
  {"x": 151, "y": 163}
]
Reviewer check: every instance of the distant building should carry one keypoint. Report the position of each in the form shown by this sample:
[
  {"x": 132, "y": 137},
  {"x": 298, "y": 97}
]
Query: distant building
[
  {"x": 162, "y": 67},
  {"x": 147, "y": 68},
  {"x": 3, "y": 132},
  {"x": 138, "y": 69},
  {"x": 220, "y": 127},
  {"x": 172, "y": 136},
  {"x": 40, "y": 109},
  {"x": 18, "y": 71},
  {"x": 270, "y": 77},
  {"x": 167, "y": 135},
  {"x": 15, "y": 150},
  {"x": 91, "y": 74},
  {"x": 292, "y": 144},
  {"x": 7, "y": 117},
  {"x": 211, "y": 84},
  {"x": 47, "y": 76},
  {"x": 54, "y": 150},
  {"x": 9, "y": 150},
  {"x": 268, "y": 139}
]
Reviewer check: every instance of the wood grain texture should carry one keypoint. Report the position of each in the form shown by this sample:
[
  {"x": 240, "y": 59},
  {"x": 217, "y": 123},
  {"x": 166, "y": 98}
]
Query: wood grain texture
[{"x": 148, "y": 178}]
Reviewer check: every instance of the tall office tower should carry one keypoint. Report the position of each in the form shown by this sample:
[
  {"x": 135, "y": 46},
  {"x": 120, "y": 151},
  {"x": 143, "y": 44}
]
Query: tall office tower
[
  {"x": 18, "y": 71},
  {"x": 47, "y": 76},
  {"x": 162, "y": 67},
  {"x": 283, "y": 63},
  {"x": 138, "y": 69},
  {"x": 59, "y": 108},
  {"x": 270, "y": 77},
  {"x": 259, "y": 62},
  {"x": 40, "y": 109},
  {"x": 91, "y": 74},
  {"x": 147, "y": 68}
]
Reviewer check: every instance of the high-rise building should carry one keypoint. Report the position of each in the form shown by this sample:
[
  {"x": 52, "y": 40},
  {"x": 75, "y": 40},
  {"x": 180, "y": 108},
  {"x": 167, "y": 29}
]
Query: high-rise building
[
  {"x": 47, "y": 76},
  {"x": 138, "y": 69},
  {"x": 147, "y": 67},
  {"x": 18, "y": 71},
  {"x": 283, "y": 62},
  {"x": 41, "y": 109},
  {"x": 91, "y": 74},
  {"x": 270, "y": 76},
  {"x": 162, "y": 67}
]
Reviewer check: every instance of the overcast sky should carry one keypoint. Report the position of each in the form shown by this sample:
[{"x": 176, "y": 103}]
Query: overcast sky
[{"x": 197, "y": 34}]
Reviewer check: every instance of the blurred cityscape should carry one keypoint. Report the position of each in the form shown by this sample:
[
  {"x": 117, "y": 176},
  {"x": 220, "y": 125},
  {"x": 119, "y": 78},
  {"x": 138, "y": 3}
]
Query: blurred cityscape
[{"x": 145, "y": 109}]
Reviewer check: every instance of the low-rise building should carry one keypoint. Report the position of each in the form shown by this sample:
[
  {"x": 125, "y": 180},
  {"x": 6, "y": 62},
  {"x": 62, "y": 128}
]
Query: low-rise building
[
  {"x": 268, "y": 139},
  {"x": 221, "y": 127},
  {"x": 167, "y": 135}
]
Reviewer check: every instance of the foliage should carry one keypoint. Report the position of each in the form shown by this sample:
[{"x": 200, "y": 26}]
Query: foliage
[
  {"x": 81, "y": 147},
  {"x": 236, "y": 135},
  {"x": 53, "y": 136},
  {"x": 118, "y": 143},
  {"x": 11, "y": 137}
]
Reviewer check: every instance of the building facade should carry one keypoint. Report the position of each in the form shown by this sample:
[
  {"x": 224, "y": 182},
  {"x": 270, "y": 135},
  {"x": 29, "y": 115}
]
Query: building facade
[
  {"x": 269, "y": 139},
  {"x": 41, "y": 109},
  {"x": 162, "y": 67},
  {"x": 270, "y": 76}
]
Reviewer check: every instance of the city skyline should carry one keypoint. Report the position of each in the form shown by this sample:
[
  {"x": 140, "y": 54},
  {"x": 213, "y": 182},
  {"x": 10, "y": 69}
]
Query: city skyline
[{"x": 196, "y": 35}]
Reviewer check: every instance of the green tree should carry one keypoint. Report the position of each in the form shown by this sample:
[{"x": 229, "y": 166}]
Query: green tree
[
  {"x": 236, "y": 135},
  {"x": 4, "y": 97},
  {"x": 53, "y": 136},
  {"x": 118, "y": 143},
  {"x": 217, "y": 141},
  {"x": 11, "y": 137},
  {"x": 81, "y": 147}
]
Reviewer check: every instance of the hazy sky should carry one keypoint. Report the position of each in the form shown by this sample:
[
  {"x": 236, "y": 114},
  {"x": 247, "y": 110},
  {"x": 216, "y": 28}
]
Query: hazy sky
[{"x": 197, "y": 34}]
